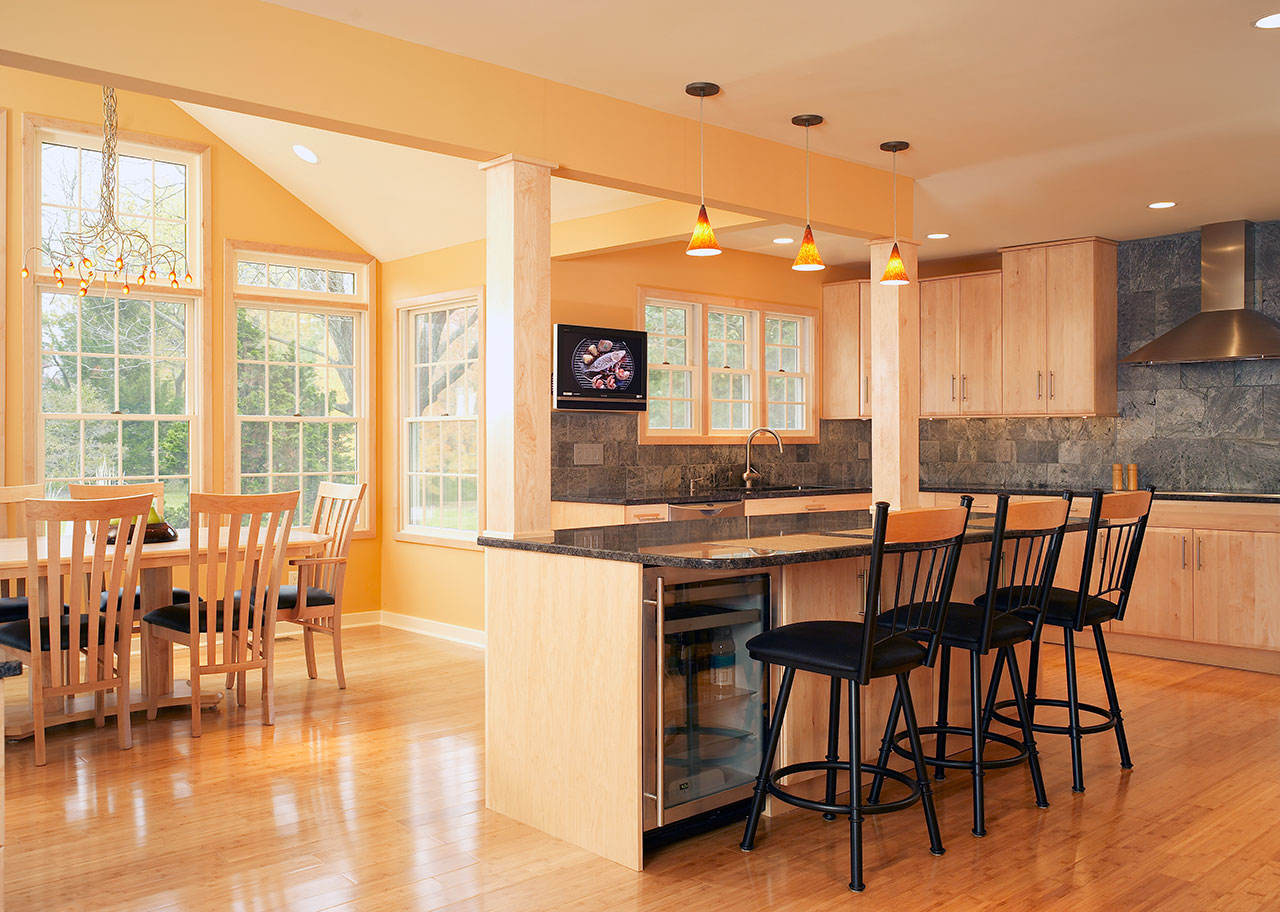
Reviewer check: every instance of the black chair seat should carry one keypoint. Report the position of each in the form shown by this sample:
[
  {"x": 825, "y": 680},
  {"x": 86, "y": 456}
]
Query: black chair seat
[
  {"x": 1061, "y": 610},
  {"x": 13, "y": 609},
  {"x": 179, "y": 597},
  {"x": 17, "y": 634},
  {"x": 178, "y": 617},
  {"x": 833, "y": 648},
  {"x": 288, "y": 599},
  {"x": 962, "y": 628}
]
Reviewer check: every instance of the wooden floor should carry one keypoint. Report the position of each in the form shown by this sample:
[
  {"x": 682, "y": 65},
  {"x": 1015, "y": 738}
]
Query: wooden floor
[{"x": 372, "y": 800}]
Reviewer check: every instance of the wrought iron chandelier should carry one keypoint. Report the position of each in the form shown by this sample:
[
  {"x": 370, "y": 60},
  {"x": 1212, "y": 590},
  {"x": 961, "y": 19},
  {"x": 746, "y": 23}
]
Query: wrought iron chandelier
[{"x": 103, "y": 248}]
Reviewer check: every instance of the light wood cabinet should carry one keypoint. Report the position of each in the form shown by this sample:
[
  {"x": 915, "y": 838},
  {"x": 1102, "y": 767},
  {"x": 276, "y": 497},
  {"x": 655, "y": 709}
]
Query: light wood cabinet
[
  {"x": 960, "y": 330},
  {"x": 1160, "y": 603},
  {"x": 772, "y": 506},
  {"x": 939, "y": 347},
  {"x": 864, "y": 347},
  {"x": 1059, "y": 322},
  {"x": 1237, "y": 588},
  {"x": 841, "y": 351}
]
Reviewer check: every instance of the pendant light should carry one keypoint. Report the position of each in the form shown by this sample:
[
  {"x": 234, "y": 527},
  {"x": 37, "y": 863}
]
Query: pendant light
[
  {"x": 808, "y": 259},
  {"x": 895, "y": 273},
  {"x": 703, "y": 241}
]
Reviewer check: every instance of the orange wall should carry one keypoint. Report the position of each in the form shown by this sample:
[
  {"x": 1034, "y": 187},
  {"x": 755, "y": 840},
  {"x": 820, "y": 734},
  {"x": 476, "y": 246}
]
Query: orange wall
[{"x": 245, "y": 205}]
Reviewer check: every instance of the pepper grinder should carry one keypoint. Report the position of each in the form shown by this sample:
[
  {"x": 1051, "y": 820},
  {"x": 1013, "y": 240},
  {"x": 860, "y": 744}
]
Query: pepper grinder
[
  {"x": 1133, "y": 476},
  {"x": 1117, "y": 477}
]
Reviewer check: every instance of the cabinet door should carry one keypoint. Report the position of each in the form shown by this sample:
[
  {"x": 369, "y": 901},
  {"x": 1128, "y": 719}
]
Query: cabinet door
[
  {"x": 1160, "y": 603},
  {"x": 980, "y": 354},
  {"x": 841, "y": 347},
  {"x": 1237, "y": 588},
  {"x": 1069, "y": 270},
  {"x": 864, "y": 309},
  {"x": 939, "y": 351},
  {"x": 1023, "y": 336}
]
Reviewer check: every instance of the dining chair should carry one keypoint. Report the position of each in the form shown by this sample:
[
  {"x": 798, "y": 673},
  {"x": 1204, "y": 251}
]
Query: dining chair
[
  {"x": 92, "y": 647},
  {"x": 237, "y": 542},
  {"x": 13, "y": 599}
]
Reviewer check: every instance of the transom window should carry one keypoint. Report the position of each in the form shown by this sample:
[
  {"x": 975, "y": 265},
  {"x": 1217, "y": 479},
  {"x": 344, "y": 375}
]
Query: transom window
[{"x": 440, "y": 399}]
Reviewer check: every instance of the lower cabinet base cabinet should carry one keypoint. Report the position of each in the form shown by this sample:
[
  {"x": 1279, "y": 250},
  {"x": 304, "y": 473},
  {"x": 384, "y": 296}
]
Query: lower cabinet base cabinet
[
  {"x": 1237, "y": 588},
  {"x": 1160, "y": 603}
]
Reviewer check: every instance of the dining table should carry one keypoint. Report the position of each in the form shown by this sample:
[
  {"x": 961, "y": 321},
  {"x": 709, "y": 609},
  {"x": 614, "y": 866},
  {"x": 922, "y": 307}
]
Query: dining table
[{"x": 156, "y": 579}]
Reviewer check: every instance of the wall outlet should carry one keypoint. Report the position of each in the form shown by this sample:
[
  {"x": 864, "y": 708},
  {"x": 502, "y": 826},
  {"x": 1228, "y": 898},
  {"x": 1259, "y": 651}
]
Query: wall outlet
[
  {"x": 588, "y": 454},
  {"x": 864, "y": 450},
  {"x": 291, "y": 576}
]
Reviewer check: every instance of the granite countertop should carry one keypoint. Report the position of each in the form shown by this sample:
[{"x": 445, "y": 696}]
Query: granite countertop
[
  {"x": 712, "y": 495},
  {"x": 1048, "y": 491},
  {"x": 10, "y": 669},
  {"x": 738, "y": 543}
]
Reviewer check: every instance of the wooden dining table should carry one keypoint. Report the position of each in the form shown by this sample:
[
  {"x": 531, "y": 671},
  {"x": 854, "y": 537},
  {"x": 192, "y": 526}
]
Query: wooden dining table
[{"x": 156, "y": 581}]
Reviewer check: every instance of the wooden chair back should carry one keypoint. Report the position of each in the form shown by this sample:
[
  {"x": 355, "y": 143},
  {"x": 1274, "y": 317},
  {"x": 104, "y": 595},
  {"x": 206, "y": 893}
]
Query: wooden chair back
[
  {"x": 247, "y": 535},
  {"x": 97, "y": 491},
  {"x": 337, "y": 507},
  {"x": 79, "y": 569},
  {"x": 13, "y": 525},
  {"x": 1117, "y": 525},
  {"x": 914, "y": 555},
  {"x": 1026, "y": 541}
]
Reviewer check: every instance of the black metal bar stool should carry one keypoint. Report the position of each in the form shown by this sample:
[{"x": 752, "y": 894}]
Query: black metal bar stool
[
  {"x": 914, "y": 554},
  {"x": 1113, "y": 543},
  {"x": 1026, "y": 541}
]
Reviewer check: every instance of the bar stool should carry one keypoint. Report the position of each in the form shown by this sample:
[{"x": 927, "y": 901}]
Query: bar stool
[
  {"x": 1113, "y": 543},
  {"x": 913, "y": 562},
  {"x": 1026, "y": 541}
]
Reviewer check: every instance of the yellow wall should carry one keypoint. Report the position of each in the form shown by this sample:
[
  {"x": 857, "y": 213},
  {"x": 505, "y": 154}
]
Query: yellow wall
[{"x": 245, "y": 205}]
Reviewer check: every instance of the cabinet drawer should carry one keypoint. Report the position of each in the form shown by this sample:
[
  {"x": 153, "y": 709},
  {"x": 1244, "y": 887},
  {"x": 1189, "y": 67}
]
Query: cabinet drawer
[
  {"x": 769, "y": 506},
  {"x": 639, "y": 513}
]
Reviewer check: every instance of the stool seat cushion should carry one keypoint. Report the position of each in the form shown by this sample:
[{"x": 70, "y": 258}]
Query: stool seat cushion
[
  {"x": 13, "y": 609},
  {"x": 178, "y": 617},
  {"x": 962, "y": 628},
  {"x": 180, "y": 596},
  {"x": 833, "y": 648},
  {"x": 1061, "y": 609},
  {"x": 17, "y": 634}
]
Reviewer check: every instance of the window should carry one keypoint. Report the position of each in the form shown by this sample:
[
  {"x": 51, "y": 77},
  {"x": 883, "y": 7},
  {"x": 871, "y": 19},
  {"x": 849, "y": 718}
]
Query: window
[
  {"x": 440, "y": 402},
  {"x": 117, "y": 390},
  {"x": 721, "y": 366},
  {"x": 301, "y": 402}
]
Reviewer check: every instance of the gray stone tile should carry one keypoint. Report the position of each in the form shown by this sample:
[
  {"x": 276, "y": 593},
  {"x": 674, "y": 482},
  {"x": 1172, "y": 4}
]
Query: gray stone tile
[
  {"x": 1205, "y": 466},
  {"x": 1234, "y": 411},
  {"x": 1253, "y": 465},
  {"x": 1271, "y": 412},
  {"x": 1208, "y": 374},
  {"x": 1026, "y": 451},
  {"x": 930, "y": 451},
  {"x": 1180, "y": 412},
  {"x": 1257, "y": 373}
]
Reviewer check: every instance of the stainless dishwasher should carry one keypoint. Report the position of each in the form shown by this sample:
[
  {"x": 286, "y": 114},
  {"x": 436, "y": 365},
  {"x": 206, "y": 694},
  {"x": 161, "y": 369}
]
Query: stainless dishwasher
[{"x": 711, "y": 510}]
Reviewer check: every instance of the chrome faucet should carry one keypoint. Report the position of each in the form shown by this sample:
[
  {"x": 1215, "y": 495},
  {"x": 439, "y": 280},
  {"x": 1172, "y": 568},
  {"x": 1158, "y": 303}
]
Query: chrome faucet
[{"x": 751, "y": 477}]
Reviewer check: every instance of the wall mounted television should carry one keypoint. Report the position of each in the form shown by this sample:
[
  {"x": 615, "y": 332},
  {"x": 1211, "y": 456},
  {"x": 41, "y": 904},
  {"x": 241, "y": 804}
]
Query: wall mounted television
[{"x": 600, "y": 369}]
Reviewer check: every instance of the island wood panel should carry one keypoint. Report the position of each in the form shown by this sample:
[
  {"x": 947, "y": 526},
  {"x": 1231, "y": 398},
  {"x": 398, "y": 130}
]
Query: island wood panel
[
  {"x": 1025, "y": 325},
  {"x": 569, "y": 514},
  {"x": 841, "y": 355},
  {"x": 939, "y": 352},
  {"x": 563, "y": 682},
  {"x": 772, "y": 506},
  {"x": 980, "y": 334},
  {"x": 1237, "y": 578},
  {"x": 1160, "y": 602}
]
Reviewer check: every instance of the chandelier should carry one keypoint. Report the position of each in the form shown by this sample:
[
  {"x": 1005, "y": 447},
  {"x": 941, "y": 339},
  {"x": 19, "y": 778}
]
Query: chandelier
[{"x": 103, "y": 248}]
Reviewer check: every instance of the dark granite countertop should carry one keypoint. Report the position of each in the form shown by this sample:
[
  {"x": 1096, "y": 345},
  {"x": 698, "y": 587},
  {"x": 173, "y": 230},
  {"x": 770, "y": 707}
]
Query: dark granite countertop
[
  {"x": 739, "y": 543},
  {"x": 10, "y": 669},
  {"x": 712, "y": 495},
  {"x": 1048, "y": 491}
]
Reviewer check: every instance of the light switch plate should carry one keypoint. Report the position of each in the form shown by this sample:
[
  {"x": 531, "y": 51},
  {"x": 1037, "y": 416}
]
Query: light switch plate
[{"x": 588, "y": 454}]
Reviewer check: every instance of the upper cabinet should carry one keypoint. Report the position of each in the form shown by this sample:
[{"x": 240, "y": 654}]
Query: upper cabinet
[
  {"x": 1059, "y": 323},
  {"x": 846, "y": 350},
  {"x": 960, "y": 332}
]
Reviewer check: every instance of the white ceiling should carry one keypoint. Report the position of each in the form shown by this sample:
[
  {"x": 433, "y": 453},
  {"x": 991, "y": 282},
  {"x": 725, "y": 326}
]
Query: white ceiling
[
  {"x": 391, "y": 200},
  {"x": 836, "y": 249},
  {"x": 1028, "y": 120}
]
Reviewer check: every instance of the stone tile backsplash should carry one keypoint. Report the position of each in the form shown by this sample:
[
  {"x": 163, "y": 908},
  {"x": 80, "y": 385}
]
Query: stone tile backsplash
[{"x": 843, "y": 457}]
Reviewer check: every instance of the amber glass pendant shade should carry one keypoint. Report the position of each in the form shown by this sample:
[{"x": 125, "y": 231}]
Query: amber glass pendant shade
[
  {"x": 808, "y": 259},
  {"x": 895, "y": 273},
  {"x": 703, "y": 242}
]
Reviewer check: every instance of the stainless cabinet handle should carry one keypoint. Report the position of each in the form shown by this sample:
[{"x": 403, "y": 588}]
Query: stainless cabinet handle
[
  {"x": 953, "y": 387},
  {"x": 866, "y": 389},
  {"x": 1050, "y": 384},
  {"x": 964, "y": 387},
  {"x": 660, "y": 789},
  {"x": 814, "y": 508},
  {"x": 862, "y": 592},
  {"x": 1199, "y": 553},
  {"x": 1039, "y": 384},
  {"x": 1184, "y": 552}
]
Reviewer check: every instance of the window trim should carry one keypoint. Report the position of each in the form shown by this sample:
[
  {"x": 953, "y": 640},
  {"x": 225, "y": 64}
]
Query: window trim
[
  {"x": 200, "y": 333},
  {"x": 292, "y": 299},
  {"x": 702, "y": 399},
  {"x": 401, "y": 311}
]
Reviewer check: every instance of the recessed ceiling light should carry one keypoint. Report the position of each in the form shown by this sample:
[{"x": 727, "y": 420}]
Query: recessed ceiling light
[
  {"x": 938, "y": 236},
  {"x": 1164, "y": 205},
  {"x": 305, "y": 154},
  {"x": 1268, "y": 22},
  {"x": 784, "y": 240}
]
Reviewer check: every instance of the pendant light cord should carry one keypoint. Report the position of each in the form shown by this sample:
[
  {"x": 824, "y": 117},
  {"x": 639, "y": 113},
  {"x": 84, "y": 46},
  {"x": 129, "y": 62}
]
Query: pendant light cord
[
  {"x": 895, "y": 197},
  {"x": 806, "y": 175},
  {"x": 702, "y": 153}
]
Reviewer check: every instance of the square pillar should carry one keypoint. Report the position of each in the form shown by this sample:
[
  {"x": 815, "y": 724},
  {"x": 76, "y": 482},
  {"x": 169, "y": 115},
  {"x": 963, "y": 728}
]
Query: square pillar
[
  {"x": 895, "y": 384},
  {"x": 517, "y": 346}
]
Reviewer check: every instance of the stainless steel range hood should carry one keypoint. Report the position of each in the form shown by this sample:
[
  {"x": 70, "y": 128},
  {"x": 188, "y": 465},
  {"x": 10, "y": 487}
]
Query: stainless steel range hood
[{"x": 1227, "y": 327}]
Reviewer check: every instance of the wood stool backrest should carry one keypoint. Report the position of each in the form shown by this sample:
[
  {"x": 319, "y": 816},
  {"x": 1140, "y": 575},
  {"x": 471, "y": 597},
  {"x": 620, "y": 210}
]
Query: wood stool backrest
[
  {"x": 1117, "y": 525},
  {"x": 1025, "y": 545}
]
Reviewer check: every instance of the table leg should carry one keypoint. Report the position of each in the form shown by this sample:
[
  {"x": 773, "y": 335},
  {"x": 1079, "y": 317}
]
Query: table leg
[{"x": 157, "y": 592}]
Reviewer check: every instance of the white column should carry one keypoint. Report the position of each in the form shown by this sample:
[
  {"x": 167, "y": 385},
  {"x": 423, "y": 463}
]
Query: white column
[{"x": 895, "y": 385}]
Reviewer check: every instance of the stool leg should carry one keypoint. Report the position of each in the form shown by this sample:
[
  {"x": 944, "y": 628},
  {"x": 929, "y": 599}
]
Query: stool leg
[
  {"x": 1126, "y": 762},
  {"x": 1033, "y": 678},
  {"x": 766, "y": 761},
  {"x": 1073, "y": 710},
  {"x": 975, "y": 767},
  {"x": 833, "y": 744},
  {"x": 944, "y": 697},
  {"x": 993, "y": 688},
  {"x": 855, "y": 787},
  {"x": 886, "y": 747},
  {"x": 1028, "y": 736},
  {"x": 922, "y": 774}
]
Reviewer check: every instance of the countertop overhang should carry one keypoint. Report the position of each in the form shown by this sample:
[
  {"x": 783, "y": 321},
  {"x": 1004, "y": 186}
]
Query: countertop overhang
[{"x": 732, "y": 494}]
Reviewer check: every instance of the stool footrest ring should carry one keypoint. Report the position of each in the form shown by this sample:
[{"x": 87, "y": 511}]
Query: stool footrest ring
[
  {"x": 1108, "y": 724},
  {"x": 967, "y": 733},
  {"x": 777, "y": 791}
]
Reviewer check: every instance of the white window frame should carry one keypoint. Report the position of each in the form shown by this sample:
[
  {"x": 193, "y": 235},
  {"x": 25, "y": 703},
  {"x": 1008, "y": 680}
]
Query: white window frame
[
  {"x": 357, "y": 305},
  {"x": 404, "y": 312},
  {"x": 196, "y": 157},
  {"x": 804, "y": 349},
  {"x": 692, "y": 365},
  {"x": 750, "y": 370}
]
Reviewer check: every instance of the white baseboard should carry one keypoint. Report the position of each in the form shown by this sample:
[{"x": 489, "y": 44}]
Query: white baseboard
[{"x": 438, "y": 629}]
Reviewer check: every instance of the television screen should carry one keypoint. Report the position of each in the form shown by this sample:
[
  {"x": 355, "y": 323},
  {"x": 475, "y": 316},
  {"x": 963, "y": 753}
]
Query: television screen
[{"x": 600, "y": 368}]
